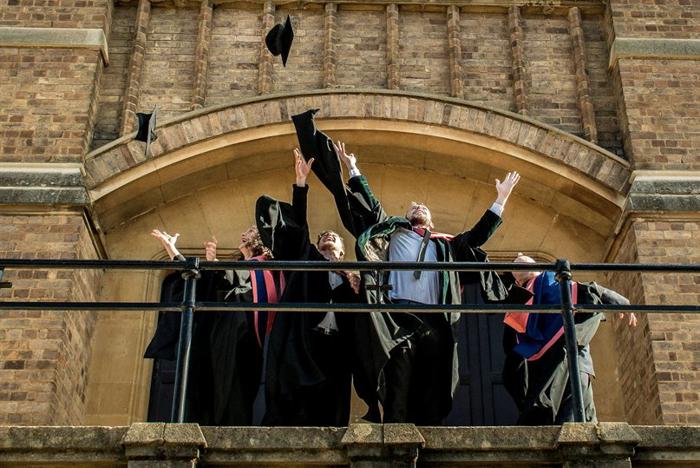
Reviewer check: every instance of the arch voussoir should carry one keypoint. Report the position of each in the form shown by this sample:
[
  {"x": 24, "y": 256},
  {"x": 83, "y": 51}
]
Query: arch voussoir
[{"x": 204, "y": 125}]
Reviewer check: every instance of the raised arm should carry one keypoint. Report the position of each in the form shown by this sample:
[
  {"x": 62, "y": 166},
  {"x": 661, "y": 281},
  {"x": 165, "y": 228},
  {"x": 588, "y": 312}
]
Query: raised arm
[
  {"x": 300, "y": 189},
  {"x": 365, "y": 207},
  {"x": 489, "y": 222},
  {"x": 168, "y": 243}
]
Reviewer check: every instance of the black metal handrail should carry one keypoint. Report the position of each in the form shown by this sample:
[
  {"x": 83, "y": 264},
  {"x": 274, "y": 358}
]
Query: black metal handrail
[
  {"x": 304, "y": 265},
  {"x": 341, "y": 308},
  {"x": 191, "y": 268}
]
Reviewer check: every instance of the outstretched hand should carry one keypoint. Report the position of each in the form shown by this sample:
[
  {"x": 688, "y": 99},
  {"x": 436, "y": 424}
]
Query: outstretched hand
[
  {"x": 350, "y": 160},
  {"x": 167, "y": 241},
  {"x": 505, "y": 188},
  {"x": 301, "y": 168},
  {"x": 210, "y": 249},
  {"x": 631, "y": 318}
]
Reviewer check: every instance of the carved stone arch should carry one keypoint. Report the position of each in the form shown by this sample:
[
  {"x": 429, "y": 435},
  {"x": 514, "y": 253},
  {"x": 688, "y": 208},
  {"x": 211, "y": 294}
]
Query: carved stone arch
[
  {"x": 207, "y": 168},
  {"x": 406, "y": 125}
]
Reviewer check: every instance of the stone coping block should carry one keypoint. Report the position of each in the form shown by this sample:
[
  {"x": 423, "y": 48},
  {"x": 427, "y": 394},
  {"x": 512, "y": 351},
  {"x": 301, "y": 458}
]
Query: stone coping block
[
  {"x": 61, "y": 445},
  {"x": 164, "y": 441},
  {"x": 64, "y": 38},
  {"x": 380, "y": 445},
  {"x": 480, "y": 446},
  {"x": 661, "y": 444},
  {"x": 664, "y": 192},
  {"x": 42, "y": 184},
  {"x": 160, "y": 444},
  {"x": 274, "y": 446},
  {"x": 653, "y": 48},
  {"x": 596, "y": 442}
]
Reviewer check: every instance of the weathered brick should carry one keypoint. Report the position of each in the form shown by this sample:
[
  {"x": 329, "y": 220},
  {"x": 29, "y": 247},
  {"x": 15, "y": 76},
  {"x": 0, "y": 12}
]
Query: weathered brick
[{"x": 47, "y": 366}]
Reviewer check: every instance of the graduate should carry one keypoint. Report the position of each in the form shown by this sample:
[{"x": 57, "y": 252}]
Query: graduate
[
  {"x": 536, "y": 372},
  {"x": 308, "y": 373},
  {"x": 414, "y": 355},
  {"x": 227, "y": 347}
]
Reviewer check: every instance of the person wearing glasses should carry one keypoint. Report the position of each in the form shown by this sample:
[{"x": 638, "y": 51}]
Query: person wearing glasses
[{"x": 310, "y": 357}]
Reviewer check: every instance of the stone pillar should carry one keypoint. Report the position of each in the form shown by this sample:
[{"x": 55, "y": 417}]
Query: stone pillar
[
  {"x": 392, "y": 47},
  {"x": 382, "y": 446},
  {"x": 455, "y": 52},
  {"x": 585, "y": 105},
  {"x": 516, "y": 44},
  {"x": 653, "y": 67},
  {"x": 46, "y": 123},
  {"x": 329, "y": 57},
  {"x": 201, "y": 55},
  {"x": 133, "y": 83},
  {"x": 658, "y": 359},
  {"x": 265, "y": 63},
  {"x": 150, "y": 445}
]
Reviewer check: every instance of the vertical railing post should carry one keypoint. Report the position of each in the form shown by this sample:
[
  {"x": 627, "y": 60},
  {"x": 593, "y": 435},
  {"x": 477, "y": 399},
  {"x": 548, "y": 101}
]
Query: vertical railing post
[
  {"x": 563, "y": 272},
  {"x": 184, "y": 345}
]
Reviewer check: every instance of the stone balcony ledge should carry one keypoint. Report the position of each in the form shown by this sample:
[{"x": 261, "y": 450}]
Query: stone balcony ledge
[{"x": 360, "y": 445}]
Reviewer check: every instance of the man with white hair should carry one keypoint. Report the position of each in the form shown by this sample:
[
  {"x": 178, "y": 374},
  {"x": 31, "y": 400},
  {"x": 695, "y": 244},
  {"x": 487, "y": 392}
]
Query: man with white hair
[{"x": 536, "y": 370}]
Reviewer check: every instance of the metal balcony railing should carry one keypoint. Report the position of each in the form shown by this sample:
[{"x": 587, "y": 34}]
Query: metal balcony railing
[{"x": 192, "y": 266}]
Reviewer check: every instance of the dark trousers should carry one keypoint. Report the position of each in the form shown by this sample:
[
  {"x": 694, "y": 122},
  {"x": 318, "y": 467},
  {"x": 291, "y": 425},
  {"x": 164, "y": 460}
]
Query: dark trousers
[{"x": 412, "y": 373}]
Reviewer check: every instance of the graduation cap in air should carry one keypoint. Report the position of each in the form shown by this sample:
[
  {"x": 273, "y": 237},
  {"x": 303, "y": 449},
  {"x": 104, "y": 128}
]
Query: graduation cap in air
[
  {"x": 147, "y": 128},
  {"x": 316, "y": 144},
  {"x": 279, "y": 39}
]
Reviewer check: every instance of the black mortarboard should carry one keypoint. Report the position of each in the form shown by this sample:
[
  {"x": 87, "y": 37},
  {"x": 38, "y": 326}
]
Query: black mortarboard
[
  {"x": 280, "y": 230},
  {"x": 316, "y": 144},
  {"x": 147, "y": 128},
  {"x": 279, "y": 39}
]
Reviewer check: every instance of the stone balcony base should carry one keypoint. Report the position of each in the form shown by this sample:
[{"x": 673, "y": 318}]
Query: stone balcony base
[{"x": 361, "y": 445}]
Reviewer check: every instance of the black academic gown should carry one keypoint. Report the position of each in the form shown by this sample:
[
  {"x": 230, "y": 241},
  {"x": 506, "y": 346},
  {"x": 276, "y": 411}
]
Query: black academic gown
[
  {"x": 236, "y": 358},
  {"x": 385, "y": 331},
  {"x": 163, "y": 346},
  {"x": 541, "y": 388},
  {"x": 308, "y": 374}
]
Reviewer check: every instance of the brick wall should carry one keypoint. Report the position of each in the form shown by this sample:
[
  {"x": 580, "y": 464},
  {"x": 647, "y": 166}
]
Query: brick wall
[
  {"x": 675, "y": 337},
  {"x": 662, "y": 125},
  {"x": 635, "y": 367},
  {"x": 361, "y": 47},
  {"x": 234, "y": 52},
  {"x": 600, "y": 86},
  {"x": 304, "y": 68},
  {"x": 423, "y": 60},
  {"x": 44, "y": 355},
  {"x": 61, "y": 13},
  {"x": 656, "y": 18},
  {"x": 660, "y": 360},
  {"x": 486, "y": 60},
  {"x": 168, "y": 70},
  {"x": 550, "y": 80},
  {"x": 361, "y": 56},
  {"x": 120, "y": 42},
  {"x": 45, "y": 103},
  {"x": 659, "y": 117}
]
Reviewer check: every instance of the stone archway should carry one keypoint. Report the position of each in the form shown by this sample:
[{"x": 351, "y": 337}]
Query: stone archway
[
  {"x": 208, "y": 167},
  {"x": 119, "y": 172}
]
